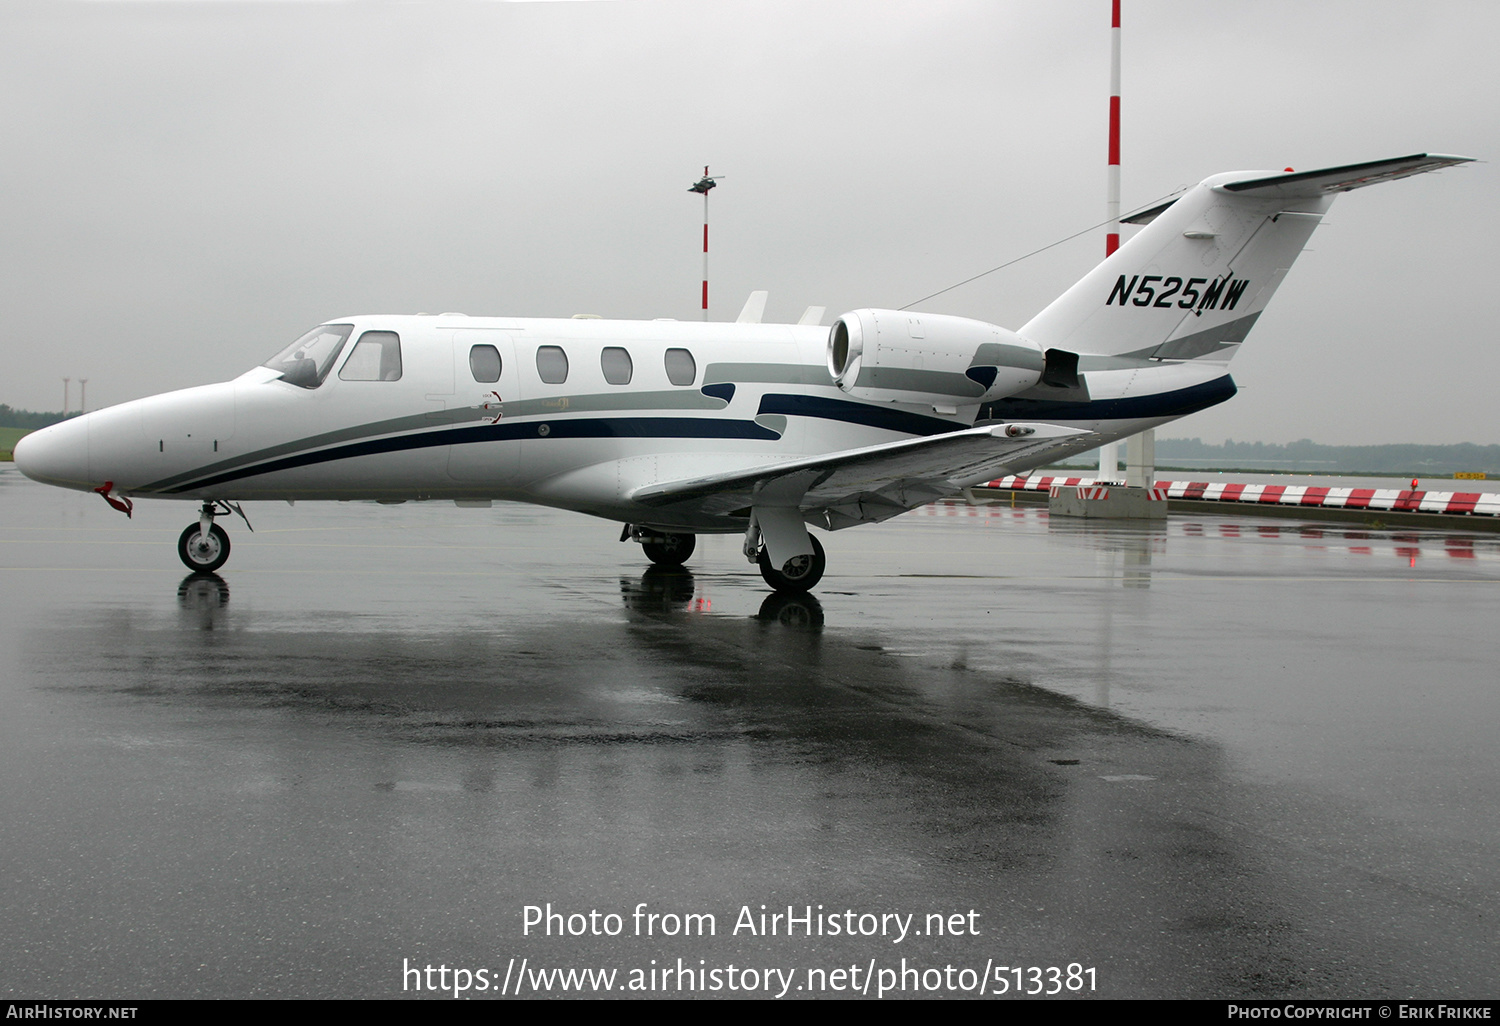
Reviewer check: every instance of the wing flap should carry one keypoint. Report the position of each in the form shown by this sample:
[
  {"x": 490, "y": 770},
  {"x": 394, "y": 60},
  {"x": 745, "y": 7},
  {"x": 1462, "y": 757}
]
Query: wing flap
[{"x": 876, "y": 482}]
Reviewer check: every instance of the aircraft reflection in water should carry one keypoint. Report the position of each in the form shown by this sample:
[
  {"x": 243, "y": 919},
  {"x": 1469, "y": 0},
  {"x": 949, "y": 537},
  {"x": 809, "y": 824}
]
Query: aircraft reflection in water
[
  {"x": 676, "y": 429},
  {"x": 1124, "y": 547},
  {"x": 673, "y": 589},
  {"x": 201, "y": 598}
]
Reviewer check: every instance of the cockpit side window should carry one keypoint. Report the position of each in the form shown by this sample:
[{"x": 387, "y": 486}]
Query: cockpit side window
[
  {"x": 306, "y": 362},
  {"x": 376, "y": 357}
]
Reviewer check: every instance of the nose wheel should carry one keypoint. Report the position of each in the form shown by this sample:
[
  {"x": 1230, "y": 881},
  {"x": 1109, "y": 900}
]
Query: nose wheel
[
  {"x": 204, "y": 547},
  {"x": 202, "y": 551}
]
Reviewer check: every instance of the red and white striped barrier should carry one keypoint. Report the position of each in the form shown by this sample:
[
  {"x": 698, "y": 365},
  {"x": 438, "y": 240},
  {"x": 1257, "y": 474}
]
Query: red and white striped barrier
[
  {"x": 1094, "y": 492},
  {"x": 1385, "y": 499}
]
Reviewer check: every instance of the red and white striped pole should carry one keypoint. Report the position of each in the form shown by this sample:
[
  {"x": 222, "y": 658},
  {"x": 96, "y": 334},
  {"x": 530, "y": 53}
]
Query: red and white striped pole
[
  {"x": 1140, "y": 450},
  {"x": 705, "y": 247},
  {"x": 1109, "y": 452},
  {"x": 1112, "y": 201},
  {"x": 703, "y": 185}
]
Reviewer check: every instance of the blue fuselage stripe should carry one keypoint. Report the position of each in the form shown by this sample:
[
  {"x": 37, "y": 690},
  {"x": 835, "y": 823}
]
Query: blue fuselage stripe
[
  {"x": 881, "y": 416},
  {"x": 1176, "y": 403}
]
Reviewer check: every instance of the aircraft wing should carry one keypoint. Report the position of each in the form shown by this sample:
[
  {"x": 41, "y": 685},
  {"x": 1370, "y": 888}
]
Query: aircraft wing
[{"x": 874, "y": 483}]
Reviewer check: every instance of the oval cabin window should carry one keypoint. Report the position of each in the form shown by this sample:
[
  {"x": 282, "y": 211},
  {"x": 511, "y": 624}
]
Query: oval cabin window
[
  {"x": 552, "y": 365},
  {"x": 484, "y": 363},
  {"x": 681, "y": 367},
  {"x": 616, "y": 365}
]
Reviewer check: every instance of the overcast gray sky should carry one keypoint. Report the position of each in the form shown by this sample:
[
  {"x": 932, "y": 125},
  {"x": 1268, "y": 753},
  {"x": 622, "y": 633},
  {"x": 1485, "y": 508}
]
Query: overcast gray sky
[{"x": 187, "y": 186}]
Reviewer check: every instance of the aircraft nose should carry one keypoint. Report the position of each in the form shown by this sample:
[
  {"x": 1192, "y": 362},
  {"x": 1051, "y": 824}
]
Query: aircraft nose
[{"x": 56, "y": 455}]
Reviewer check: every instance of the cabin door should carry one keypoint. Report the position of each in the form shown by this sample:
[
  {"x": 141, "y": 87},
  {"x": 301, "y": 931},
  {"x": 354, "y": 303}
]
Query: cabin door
[{"x": 484, "y": 453}]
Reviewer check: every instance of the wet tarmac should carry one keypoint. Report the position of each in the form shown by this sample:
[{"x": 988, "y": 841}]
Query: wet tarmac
[{"x": 1215, "y": 758}]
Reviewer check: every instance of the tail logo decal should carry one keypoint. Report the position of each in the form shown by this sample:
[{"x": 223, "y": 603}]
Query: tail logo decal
[{"x": 1218, "y": 294}]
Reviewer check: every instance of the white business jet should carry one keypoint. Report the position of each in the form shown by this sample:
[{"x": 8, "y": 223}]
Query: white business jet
[{"x": 677, "y": 429}]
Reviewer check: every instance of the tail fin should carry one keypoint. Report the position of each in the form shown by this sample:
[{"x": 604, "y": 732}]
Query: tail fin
[{"x": 1193, "y": 282}]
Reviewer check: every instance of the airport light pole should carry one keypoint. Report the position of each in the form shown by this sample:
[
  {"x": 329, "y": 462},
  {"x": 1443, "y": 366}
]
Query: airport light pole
[
  {"x": 83, "y": 395},
  {"x": 65, "y": 395},
  {"x": 703, "y": 185},
  {"x": 1109, "y": 452},
  {"x": 1112, "y": 200},
  {"x": 1140, "y": 449}
]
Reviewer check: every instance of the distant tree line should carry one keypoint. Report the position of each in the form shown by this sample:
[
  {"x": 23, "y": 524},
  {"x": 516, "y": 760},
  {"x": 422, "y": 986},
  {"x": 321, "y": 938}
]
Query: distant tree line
[
  {"x": 27, "y": 419},
  {"x": 1307, "y": 456}
]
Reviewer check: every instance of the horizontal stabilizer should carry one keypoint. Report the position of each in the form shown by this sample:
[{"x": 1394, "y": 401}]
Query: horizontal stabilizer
[{"x": 1294, "y": 184}]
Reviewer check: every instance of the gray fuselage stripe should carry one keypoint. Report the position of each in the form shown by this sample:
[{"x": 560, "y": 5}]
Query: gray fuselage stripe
[{"x": 679, "y": 399}]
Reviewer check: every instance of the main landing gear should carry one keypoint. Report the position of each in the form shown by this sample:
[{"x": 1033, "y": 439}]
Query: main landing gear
[
  {"x": 662, "y": 548},
  {"x": 800, "y": 573},
  {"x": 791, "y": 560},
  {"x": 797, "y": 573},
  {"x": 204, "y": 547}
]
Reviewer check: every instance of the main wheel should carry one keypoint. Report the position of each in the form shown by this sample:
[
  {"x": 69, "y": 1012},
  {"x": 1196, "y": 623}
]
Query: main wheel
[
  {"x": 203, "y": 554},
  {"x": 793, "y": 609},
  {"x": 670, "y": 549},
  {"x": 800, "y": 572}
]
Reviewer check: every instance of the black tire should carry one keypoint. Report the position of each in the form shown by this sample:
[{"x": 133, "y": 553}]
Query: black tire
[
  {"x": 671, "y": 549},
  {"x": 204, "y": 592},
  {"x": 203, "y": 556},
  {"x": 662, "y": 589},
  {"x": 806, "y": 571},
  {"x": 796, "y": 610}
]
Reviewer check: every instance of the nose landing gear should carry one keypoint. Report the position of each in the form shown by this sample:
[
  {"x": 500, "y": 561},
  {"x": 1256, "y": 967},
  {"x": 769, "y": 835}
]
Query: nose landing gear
[
  {"x": 202, "y": 551},
  {"x": 204, "y": 547}
]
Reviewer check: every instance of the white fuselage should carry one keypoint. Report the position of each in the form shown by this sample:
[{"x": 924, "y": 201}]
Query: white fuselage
[{"x": 629, "y": 404}]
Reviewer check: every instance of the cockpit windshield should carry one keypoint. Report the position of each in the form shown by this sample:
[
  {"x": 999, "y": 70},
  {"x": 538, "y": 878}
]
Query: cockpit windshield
[{"x": 306, "y": 362}]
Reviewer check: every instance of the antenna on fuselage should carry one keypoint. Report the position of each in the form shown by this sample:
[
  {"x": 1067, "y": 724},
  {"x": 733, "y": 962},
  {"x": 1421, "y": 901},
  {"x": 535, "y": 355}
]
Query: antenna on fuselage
[{"x": 703, "y": 185}]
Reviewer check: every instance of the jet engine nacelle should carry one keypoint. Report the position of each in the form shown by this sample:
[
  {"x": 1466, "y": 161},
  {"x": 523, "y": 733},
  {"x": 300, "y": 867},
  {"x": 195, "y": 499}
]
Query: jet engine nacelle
[{"x": 899, "y": 357}]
